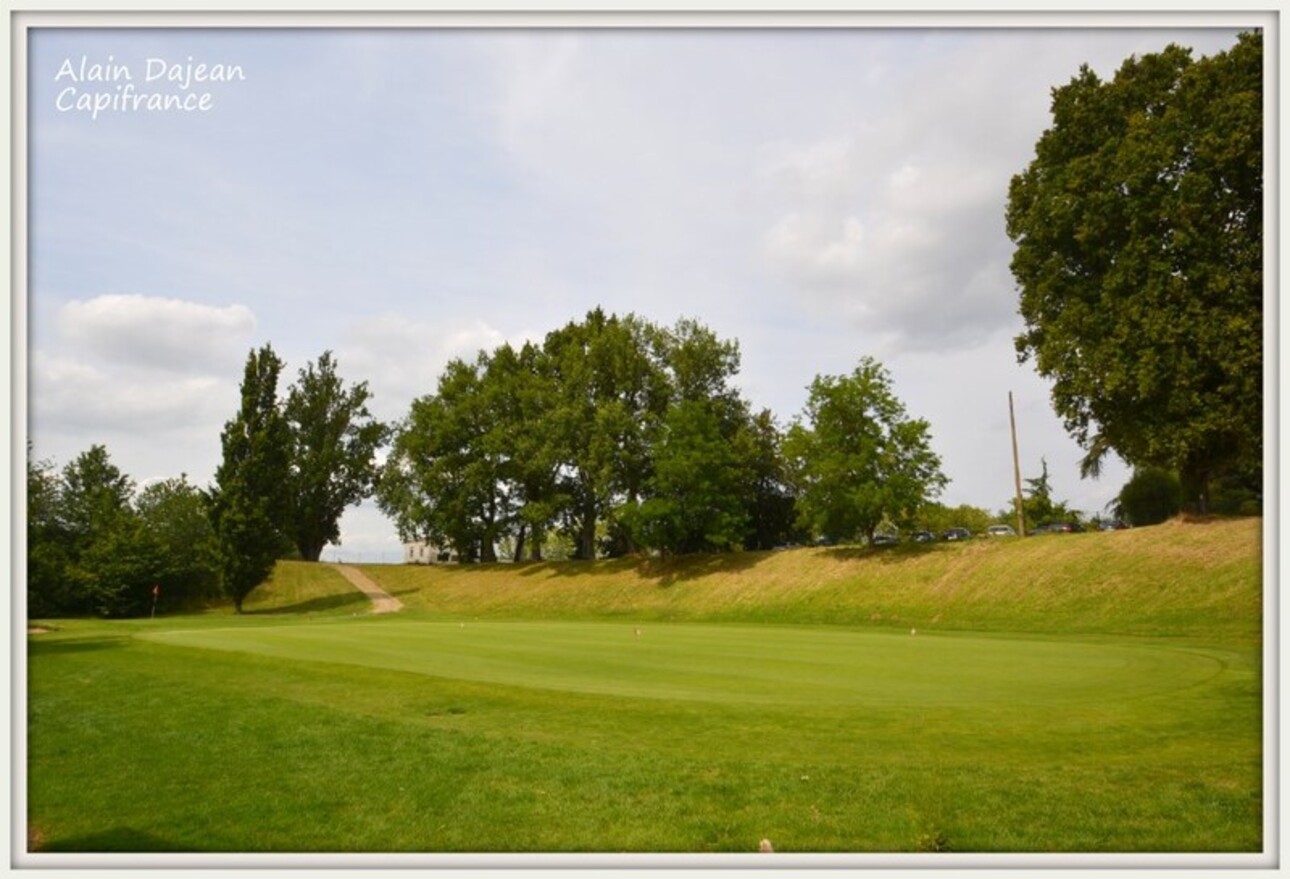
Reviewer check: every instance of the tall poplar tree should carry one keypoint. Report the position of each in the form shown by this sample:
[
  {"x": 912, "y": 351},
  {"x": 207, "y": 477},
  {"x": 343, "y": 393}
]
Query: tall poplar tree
[{"x": 250, "y": 499}]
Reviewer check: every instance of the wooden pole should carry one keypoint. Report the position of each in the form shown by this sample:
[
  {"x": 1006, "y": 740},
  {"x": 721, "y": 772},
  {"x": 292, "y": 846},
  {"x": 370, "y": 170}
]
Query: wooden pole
[{"x": 1016, "y": 468}]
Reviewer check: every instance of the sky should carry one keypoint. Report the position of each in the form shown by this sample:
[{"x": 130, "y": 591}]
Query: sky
[{"x": 404, "y": 196}]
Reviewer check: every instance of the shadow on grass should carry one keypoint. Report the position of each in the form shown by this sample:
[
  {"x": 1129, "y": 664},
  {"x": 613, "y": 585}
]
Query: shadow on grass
[
  {"x": 38, "y": 646},
  {"x": 118, "y": 839},
  {"x": 665, "y": 571},
  {"x": 888, "y": 555},
  {"x": 355, "y": 600}
]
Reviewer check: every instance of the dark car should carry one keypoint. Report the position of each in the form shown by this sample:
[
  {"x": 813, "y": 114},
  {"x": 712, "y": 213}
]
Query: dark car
[
  {"x": 1113, "y": 526},
  {"x": 885, "y": 540},
  {"x": 957, "y": 534},
  {"x": 1058, "y": 528},
  {"x": 923, "y": 537}
]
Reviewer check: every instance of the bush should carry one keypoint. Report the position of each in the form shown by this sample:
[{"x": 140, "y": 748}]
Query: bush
[{"x": 1150, "y": 497}]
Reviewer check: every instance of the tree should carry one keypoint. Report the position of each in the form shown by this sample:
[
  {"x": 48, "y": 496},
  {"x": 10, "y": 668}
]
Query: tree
[
  {"x": 574, "y": 438},
  {"x": 334, "y": 439},
  {"x": 695, "y": 501},
  {"x": 521, "y": 395},
  {"x": 708, "y": 464},
  {"x": 107, "y": 559},
  {"x": 173, "y": 513},
  {"x": 444, "y": 478},
  {"x": 250, "y": 500},
  {"x": 1037, "y": 505},
  {"x": 49, "y": 552},
  {"x": 95, "y": 546},
  {"x": 88, "y": 551},
  {"x": 121, "y": 567},
  {"x": 94, "y": 495},
  {"x": 767, "y": 496},
  {"x": 859, "y": 459},
  {"x": 1151, "y": 496},
  {"x": 938, "y": 518},
  {"x": 1138, "y": 232},
  {"x": 610, "y": 398}
]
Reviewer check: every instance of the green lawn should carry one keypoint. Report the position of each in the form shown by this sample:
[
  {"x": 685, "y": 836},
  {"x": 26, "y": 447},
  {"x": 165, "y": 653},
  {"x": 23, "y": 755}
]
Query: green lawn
[
  {"x": 309, "y": 727},
  {"x": 417, "y": 735}
]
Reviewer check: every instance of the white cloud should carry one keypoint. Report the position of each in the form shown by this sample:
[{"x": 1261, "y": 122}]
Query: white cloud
[
  {"x": 71, "y": 396},
  {"x": 402, "y": 359},
  {"x": 157, "y": 333}
]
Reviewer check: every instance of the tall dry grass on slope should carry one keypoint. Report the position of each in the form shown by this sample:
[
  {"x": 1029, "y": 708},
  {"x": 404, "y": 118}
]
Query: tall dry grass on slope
[{"x": 1196, "y": 581}]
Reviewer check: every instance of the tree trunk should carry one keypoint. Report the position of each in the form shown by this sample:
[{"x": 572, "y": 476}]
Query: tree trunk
[
  {"x": 519, "y": 543},
  {"x": 1194, "y": 477},
  {"x": 587, "y": 539}
]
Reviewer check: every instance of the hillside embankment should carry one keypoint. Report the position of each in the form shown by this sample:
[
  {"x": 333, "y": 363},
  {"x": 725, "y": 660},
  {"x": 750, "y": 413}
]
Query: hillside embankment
[{"x": 1192, "y": 580}]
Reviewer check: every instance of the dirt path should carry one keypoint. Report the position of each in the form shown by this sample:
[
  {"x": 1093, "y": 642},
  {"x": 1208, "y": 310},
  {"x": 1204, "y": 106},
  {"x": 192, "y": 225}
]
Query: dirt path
[{"x": 382, "y": 601}]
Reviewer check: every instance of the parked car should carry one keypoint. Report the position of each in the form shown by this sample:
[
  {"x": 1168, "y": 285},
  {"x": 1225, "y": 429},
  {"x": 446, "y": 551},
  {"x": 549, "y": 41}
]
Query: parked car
[
  {"x": 1058, "y": 528},
  {"x": 923, "y": 537},
  {"x": 1117, "y": 525},
  {"x": 957, "y": 534},
  {"x": 885, "y": 540},
  {"x": 1000, "y": 531}
]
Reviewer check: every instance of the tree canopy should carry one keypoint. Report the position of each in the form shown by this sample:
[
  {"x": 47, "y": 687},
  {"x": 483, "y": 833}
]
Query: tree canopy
[
  {"x": 857, "y": 459},
  {"x": 1138, "y": 229},
  {"x": 615, "y": 433},
  {"x": 95, "y": 545}
]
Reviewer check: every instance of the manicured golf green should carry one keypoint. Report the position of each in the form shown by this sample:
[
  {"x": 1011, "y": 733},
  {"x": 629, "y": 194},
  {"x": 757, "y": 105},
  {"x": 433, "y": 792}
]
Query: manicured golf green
[{"x": 733, "y": 663}]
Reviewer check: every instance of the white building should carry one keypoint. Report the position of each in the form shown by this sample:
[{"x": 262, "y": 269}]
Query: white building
[{"x": 420, "y": 552}]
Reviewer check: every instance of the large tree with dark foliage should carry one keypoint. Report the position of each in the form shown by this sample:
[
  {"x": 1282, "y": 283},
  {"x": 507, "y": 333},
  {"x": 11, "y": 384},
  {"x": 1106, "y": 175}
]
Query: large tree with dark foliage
[
  {"x": 621, "y": 434},
  {"x": 250, "y": 500},
  {"x": 1139, "y": 230},
  {"x": 94, "y": 546}
]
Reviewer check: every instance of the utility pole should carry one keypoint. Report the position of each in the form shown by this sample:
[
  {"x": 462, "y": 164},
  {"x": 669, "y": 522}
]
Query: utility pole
[{"x": 1016, "y": 468}]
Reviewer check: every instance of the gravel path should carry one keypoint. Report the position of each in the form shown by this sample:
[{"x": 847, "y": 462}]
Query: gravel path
[{"x": 382, "y": 601}]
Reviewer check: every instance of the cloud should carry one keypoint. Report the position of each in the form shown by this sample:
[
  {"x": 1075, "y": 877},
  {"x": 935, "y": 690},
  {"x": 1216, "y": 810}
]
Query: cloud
[
  {"x": 906, "y": 243},
  {"x": 157, "y": 333},
  {"x": 71, "y": 396},
  {"x": 402, "y": 359}
]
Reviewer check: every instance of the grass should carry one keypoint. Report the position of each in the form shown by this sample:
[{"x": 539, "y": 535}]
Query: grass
[
  {"x": 541, "y": 722},
  {"x": 1196, "y": 581}
]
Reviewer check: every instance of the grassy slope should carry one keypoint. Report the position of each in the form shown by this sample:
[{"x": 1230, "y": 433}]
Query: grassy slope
[{"x": 1195, "y": 581}]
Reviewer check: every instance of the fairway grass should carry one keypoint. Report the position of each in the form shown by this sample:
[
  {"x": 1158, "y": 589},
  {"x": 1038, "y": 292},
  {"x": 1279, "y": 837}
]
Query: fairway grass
[{"x": 584, "y": 721}]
